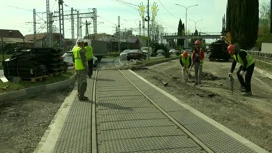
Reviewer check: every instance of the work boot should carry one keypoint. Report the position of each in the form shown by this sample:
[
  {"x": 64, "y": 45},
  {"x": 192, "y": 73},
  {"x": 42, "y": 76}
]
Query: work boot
[
  {"x": 247, "y": 93},
  {"x": 242, "y": 89},
  {"x": 83, "y": 98}
]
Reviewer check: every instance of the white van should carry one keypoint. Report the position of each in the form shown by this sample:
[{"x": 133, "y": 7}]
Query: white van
[{"x": 145, "y": 50}]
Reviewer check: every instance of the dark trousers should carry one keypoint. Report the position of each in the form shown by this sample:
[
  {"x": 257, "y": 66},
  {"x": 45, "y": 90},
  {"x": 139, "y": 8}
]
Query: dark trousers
[
  {"x": 246, "y": 83},
  {"x": 90, "y": 67}
]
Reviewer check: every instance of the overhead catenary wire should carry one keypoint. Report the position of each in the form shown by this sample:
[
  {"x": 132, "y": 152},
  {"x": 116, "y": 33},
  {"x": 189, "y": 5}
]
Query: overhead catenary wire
[
  {"x": 107, "y": 20},
  {"x": 127, "y": 4},
  {"x": 165, "y": 23},
  {"x": 21, "y": 8},
  {"x": 167, "y": 10},
  {"x": 29, "y": 11}
]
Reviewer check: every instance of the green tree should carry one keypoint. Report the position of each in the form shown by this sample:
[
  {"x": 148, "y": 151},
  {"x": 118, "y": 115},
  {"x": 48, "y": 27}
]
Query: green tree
[
  {"x": 223, "y": 32},
  {"x": 180, "y": 42},
  {"x": 242, "y": 22},
  {"x": 264, "y": 30}
]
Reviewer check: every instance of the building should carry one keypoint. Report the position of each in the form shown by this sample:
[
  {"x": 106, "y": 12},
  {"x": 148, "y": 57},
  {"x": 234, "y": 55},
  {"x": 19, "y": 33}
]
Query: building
[
  {"x": 41, "y": 39},
  {"x": 99, "y": 36},
  {"x": 10, "y": 39},
  {"x": 13, "y": 37}
]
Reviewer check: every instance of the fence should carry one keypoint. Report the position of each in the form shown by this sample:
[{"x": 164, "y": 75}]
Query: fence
[{"x": 263, "y": 57}]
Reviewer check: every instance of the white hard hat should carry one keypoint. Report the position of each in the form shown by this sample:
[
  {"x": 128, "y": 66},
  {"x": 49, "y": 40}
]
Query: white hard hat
[{"x": 80, "y": 40}]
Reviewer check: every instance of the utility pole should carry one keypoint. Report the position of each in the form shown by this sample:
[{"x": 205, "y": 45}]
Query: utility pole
[
  {"x": 119, "y": 34},
  {"x": 2, "y": 48},
  {"x": 49, "y": 24},
  {"x": 80, "y": 27},
  {"x": 140, "y": 30},
  {"x": 148, "y": 18},
  {"x": 143, "y": 27},
  {"x": 34, "y": 27},
  {"x": 78, "y": 35},
  {"x": 94, "y": 17},
  {"x": 87, "y": 29},
  {"x": 270, "y": 16},
  {"x": 154, "y": 9},
  {"x": 186, "y": 28},
  {"x": 196, "y": 22},
  {"x": 72, "y": 25},
  {"x": 61, "y": 26}
]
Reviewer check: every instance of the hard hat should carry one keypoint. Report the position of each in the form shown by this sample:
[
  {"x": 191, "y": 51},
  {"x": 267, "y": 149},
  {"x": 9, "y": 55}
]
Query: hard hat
[
  {"x": 80, "y": 40},
  {"x": 230, "y": 48},
  {"x": 185, "y": 54},
  {"x": 197, "y": 42}
]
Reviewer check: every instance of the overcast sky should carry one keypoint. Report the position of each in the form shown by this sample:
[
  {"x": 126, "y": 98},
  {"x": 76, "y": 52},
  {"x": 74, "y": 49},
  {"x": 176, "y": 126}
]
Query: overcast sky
[{"x": 207, "y": 16}]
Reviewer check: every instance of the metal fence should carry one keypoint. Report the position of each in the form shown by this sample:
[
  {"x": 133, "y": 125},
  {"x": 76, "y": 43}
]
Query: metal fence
[{"x": 264, "y": 57}]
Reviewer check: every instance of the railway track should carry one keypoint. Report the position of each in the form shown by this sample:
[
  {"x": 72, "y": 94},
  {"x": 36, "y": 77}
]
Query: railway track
[{"x": 96, "y": 132}]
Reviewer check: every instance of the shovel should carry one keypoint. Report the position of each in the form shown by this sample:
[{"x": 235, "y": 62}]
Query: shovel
[
  {"x": 6, "y": 87},
  {"x": 231, "y": 83}
]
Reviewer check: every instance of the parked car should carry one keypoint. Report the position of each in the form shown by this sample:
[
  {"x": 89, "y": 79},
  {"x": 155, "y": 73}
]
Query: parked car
[
  {"x": 68, "y": 59},
  {"x": 123, "y": 54},
  {"x": 174, "y": 51},
  {"x": 160, "y": 52},
  {"x": 136, "y": 54},
  {"x": 145, "y": 50},
  {"x": 189, "y": 49}
]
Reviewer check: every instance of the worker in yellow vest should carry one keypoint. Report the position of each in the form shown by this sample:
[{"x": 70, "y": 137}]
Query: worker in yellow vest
[
  {"x": 89, "y": 56},
  {"x": 185, "y": 62},
  {"x": 81, "y": 68},
  {"x": 247, "y": 67}
]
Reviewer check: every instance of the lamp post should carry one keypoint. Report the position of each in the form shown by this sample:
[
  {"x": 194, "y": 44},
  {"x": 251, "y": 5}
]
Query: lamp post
[
  {"x": 186, "y": 8},
  {"x": 196, "y": 22},
  {"x": 201, "y": 29}
]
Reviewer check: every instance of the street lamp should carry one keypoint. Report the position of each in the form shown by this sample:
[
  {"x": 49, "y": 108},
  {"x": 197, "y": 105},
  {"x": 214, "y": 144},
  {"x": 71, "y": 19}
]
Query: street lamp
[
  {"x": 186, "y": 8},
  {"x": 195, "y": 22},
  {"x": 201, "y": 29}
]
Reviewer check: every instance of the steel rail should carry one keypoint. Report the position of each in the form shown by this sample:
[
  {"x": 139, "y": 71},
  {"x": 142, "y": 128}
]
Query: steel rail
[{"x": 192, "y": 136}]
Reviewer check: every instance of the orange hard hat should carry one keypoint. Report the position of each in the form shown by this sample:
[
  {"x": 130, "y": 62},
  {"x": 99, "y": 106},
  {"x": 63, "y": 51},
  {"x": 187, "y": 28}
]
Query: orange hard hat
[
  {"x": 185, "y": 54},
  {"x": 230, "y": 48},
  {"x": 197, "y": 42}
]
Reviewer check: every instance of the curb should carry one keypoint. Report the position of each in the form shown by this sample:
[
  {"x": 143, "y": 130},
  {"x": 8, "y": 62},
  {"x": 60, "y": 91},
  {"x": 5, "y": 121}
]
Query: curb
[
  {"x": 264, "y": 73},
  {"x": 33, "y": 91}
]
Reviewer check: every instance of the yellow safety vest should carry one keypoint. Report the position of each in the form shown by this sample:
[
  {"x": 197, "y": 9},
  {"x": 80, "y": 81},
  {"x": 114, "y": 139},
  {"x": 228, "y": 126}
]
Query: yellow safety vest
[
  {"x": 249, "y": 58},
  {"x": 78, "y": 61},
  {"x": 185, "y": 61},
  {"x": 89, "y": 52}
]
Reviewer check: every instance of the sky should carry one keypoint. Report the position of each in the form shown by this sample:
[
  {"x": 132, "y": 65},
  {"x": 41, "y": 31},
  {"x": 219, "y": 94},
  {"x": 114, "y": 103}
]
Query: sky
[{"x": 206, "y": 16}]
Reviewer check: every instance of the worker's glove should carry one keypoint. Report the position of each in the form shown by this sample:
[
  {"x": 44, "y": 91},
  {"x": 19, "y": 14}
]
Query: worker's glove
[
  {"x": 230, "y": 74},
  {"x": 242, "y": 72}
]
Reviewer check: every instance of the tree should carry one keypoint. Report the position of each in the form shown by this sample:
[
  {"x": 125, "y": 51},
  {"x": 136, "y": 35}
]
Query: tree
[
  {"x": 223, "y": 32},
  {"x": 264, "y": 31},
  {"x": 180, "y": 42},
  {"x": 242, "y": 22}
]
